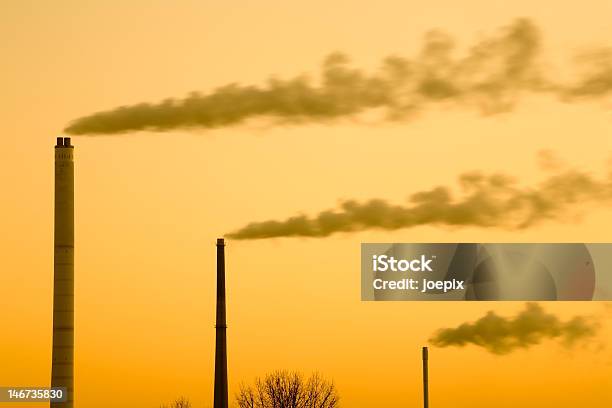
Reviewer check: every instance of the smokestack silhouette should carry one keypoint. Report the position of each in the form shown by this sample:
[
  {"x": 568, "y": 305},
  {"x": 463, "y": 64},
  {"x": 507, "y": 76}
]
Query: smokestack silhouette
[
  {"x": 221, "y": 395},
  {"x": 425, "y": 378},
  {"x": 63, "y": 273}
]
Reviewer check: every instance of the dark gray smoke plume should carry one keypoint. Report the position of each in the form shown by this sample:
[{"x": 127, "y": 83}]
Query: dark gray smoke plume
[
  {"x": 502, "y": 335},
  {"x": 487, "y": 201},
  {"x": 491, "y": 77}
]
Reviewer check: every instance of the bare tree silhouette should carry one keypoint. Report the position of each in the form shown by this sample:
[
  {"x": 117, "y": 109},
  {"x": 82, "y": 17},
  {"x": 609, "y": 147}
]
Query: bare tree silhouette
[
  {"x": 181, "y": 402},
  {"x": 284, "y": 389}
]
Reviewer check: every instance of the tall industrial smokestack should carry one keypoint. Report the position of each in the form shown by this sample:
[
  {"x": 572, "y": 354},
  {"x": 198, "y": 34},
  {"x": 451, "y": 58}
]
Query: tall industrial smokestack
[
  {"x": 221, "y": 395},
  {"x": 63, "y": 273},
  {"x": 425, "y": 378}
]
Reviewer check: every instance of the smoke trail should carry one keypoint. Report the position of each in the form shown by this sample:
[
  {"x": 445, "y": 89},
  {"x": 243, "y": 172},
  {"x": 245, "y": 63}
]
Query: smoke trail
[
  {"x": 501, "y": 335},
  {"x": 487, "y": 201},
  {"x": 491, "y": 77}
]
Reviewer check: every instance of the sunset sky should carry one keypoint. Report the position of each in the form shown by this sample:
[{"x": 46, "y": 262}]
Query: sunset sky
[{"x": 149, "y": 206}]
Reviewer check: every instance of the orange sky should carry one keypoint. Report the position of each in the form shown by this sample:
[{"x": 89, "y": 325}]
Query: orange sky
[{"x": 150, "y": 206}]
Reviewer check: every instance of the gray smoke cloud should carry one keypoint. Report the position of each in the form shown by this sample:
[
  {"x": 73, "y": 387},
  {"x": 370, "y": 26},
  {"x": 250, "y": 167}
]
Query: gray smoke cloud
[
  {"x": 491, "y": 77},
  {"x": 502, "y": 335},
  {"x": 486, "y": 201}
]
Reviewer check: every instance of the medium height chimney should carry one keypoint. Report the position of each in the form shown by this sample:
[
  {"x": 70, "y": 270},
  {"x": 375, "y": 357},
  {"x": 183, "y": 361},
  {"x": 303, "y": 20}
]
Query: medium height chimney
[
  {"x": 63, "y": 273},
  {"x": 221, "y": 395},
  {"x": 425, "y": 378}
]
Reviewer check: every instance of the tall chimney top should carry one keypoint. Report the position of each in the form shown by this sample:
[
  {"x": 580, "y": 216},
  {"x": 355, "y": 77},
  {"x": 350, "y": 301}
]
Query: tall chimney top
[
  {"x": 425, "y": 379},
  {"x": 63, "y": 142},
  {"x": 220, "y": 242}
]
